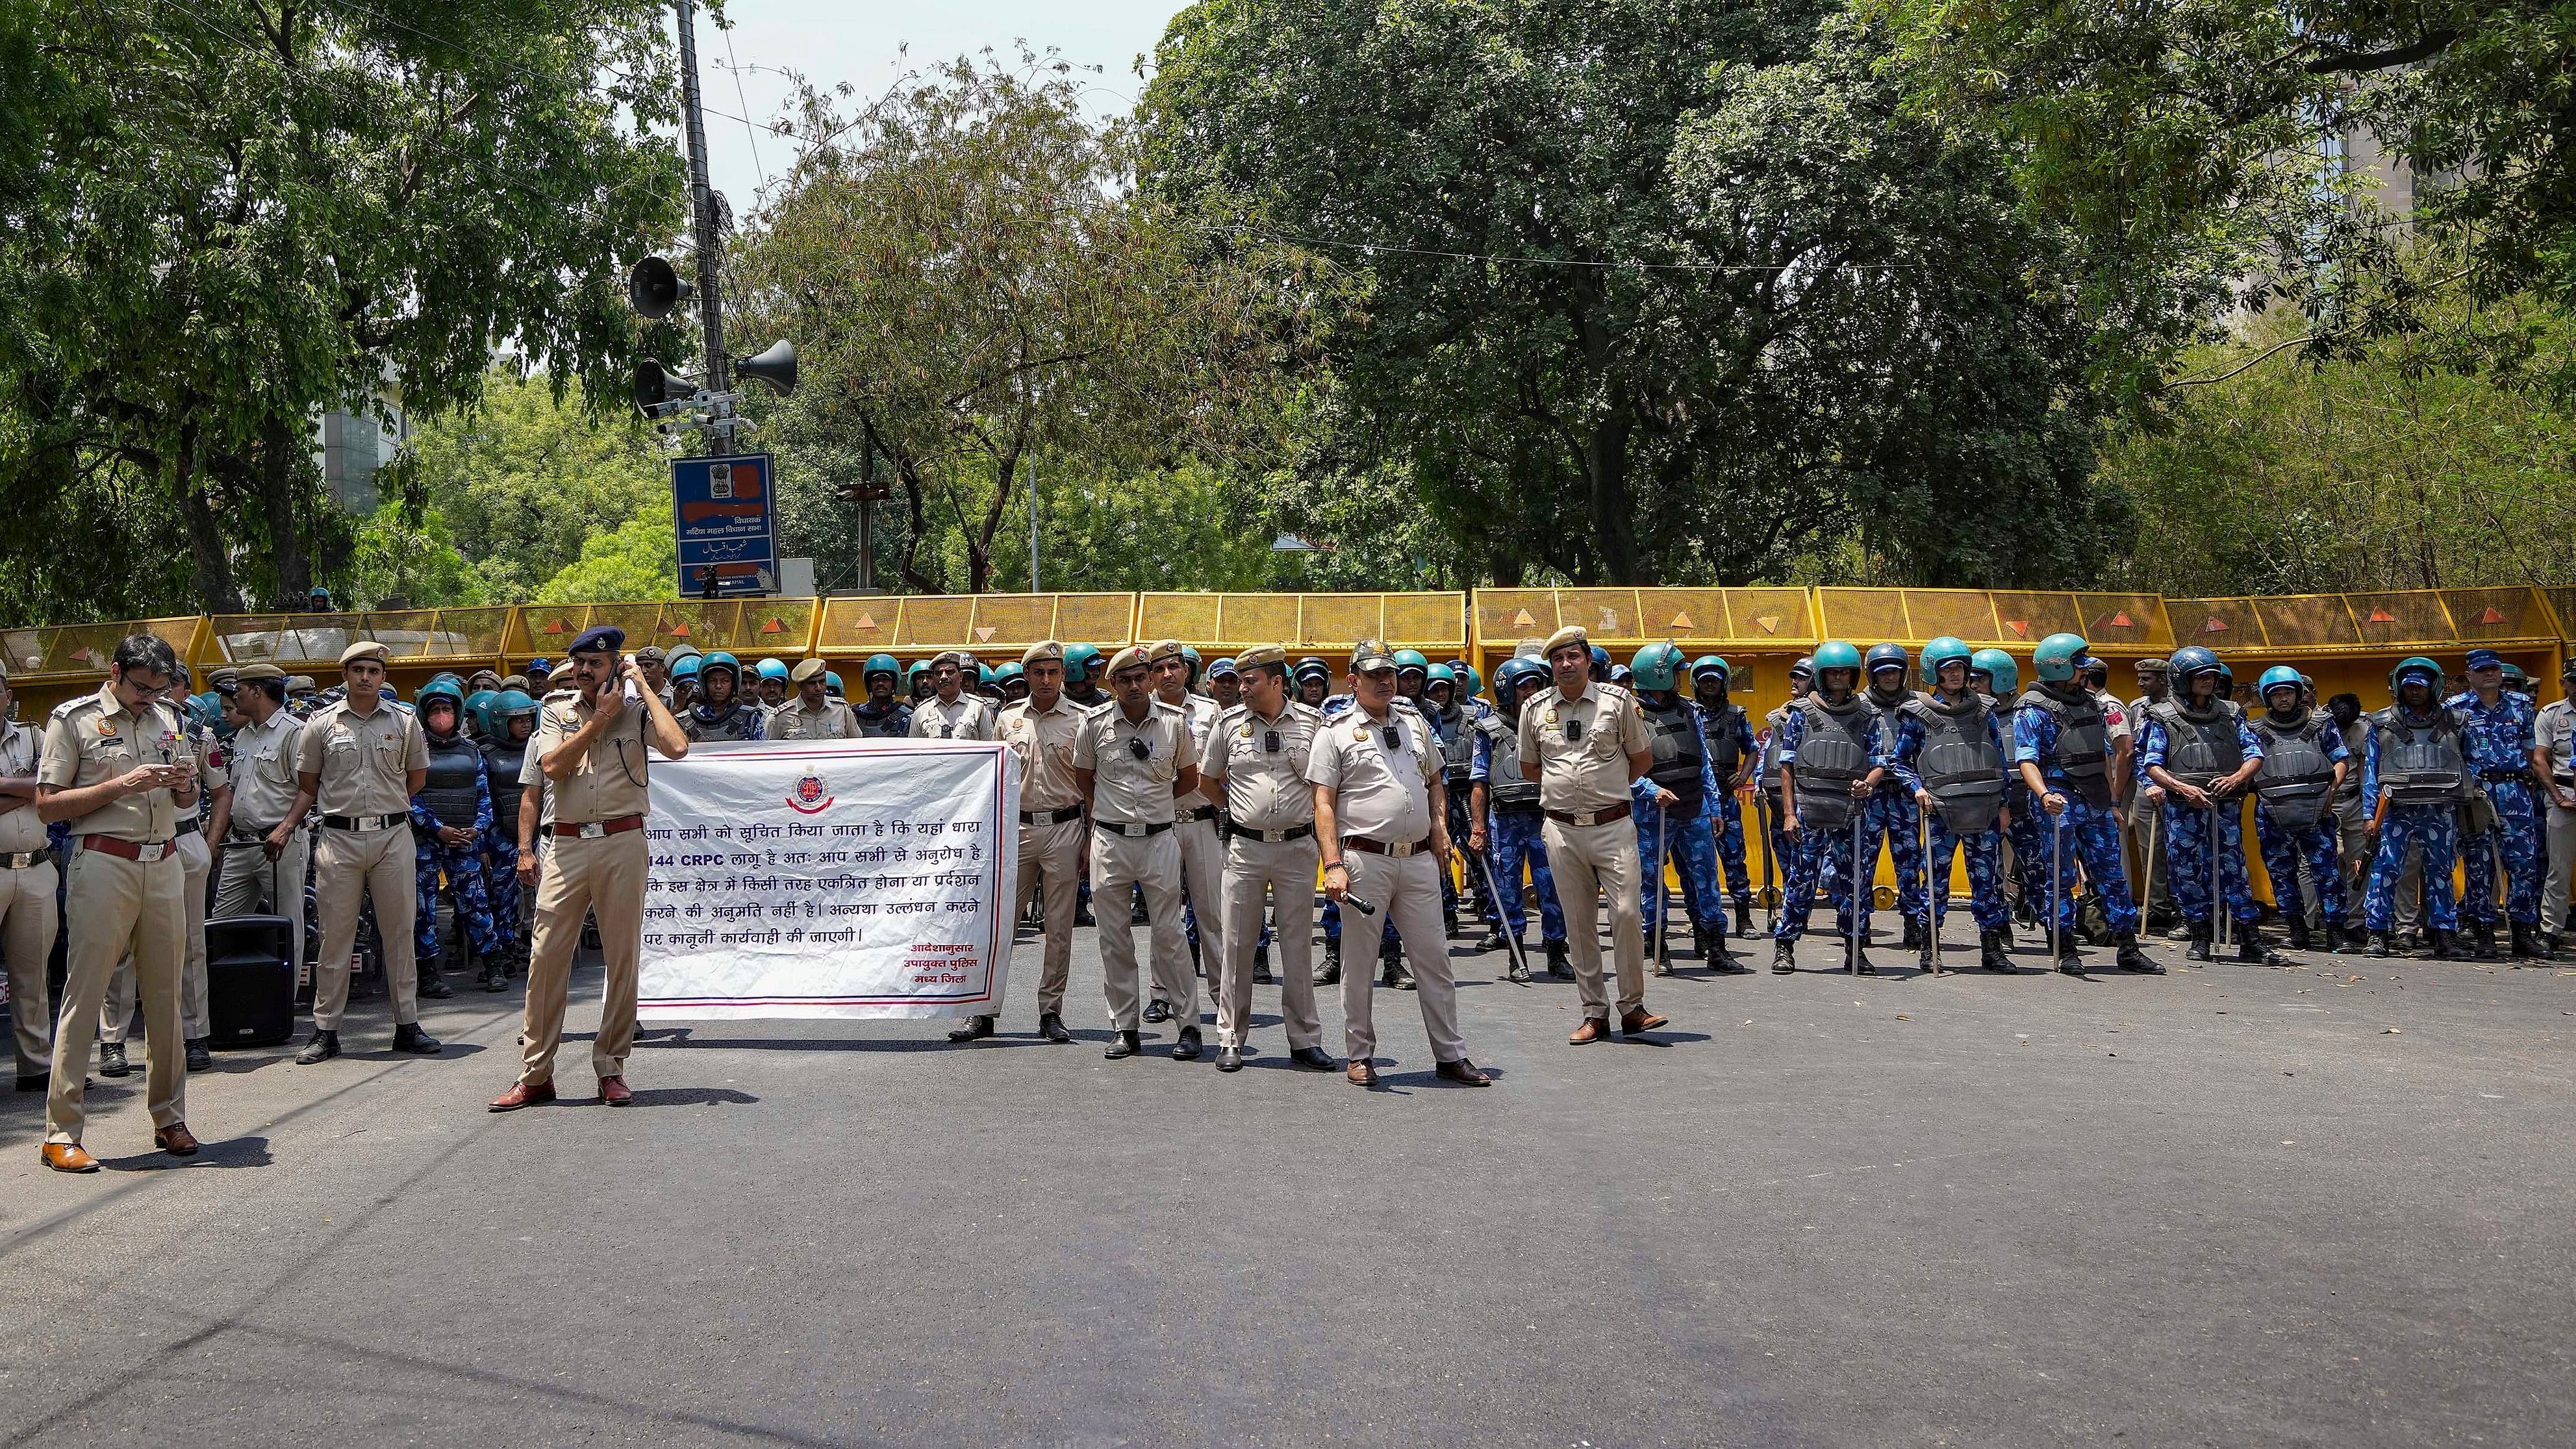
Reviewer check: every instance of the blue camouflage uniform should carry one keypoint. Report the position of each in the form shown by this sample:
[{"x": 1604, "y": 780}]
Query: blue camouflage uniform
[
  {"x": 1688, "y": 838},
  {"x": 2090, "y": 831},
  {"x": 2432, "y": 825},
  {"x": 1514, "y": 838},
  {"x": 1782, "y": 851},
  {"x": 1727, "y": 822},
  {"x": 2500, "y": 739},
  {"x": 1823, "y": 856},
  {"x": 501, "y": 764},
  {"x": 2187, "y": 831},
  {"x": 1894, "y": 821},
  {"x": 461, "y": 866},
  {"x": 1983, "y": 849},
  {"x": 2319, "y": 843}
]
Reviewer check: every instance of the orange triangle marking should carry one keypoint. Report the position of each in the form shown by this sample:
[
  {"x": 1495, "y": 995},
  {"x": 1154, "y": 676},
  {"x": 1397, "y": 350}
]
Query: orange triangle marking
[
  {"x": 983, "y": 634},
  {"x": 2123, "y": 621},
  {"x": 2020, "y": 627},
  {"x": 2382, "y": 616},
  {"x": 556, "y": 627},
  {"x": 1770, "y": 623},
  {"x": 2216, "y": 625},
  {"x": 680, "y": 630},
  {"x": 1681, "y": 621},
  {"x": 773, "y": 627},
  {"x": 2493, "y": 615},
  {"x": 867, "y": 621},
  {"x": 1524, "y": 619}
]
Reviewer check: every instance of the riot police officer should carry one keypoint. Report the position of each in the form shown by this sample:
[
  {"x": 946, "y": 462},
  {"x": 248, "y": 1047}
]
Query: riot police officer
[
  {"x": 1779, "y": 852},
  {"x": 2414, "y": 776},
  {"x": 1447, "y": 716},
  {"x": 882, "y": 716},
  {"x": 1082, "y": 679},
  {"x": 1727, "y": 728},
  {"x": 773, "y": 685},
  {"x": 451, "y": 817},
  {"x": 2302, "y": 769},
  {"x": 2197, "y": 749},
  {"x": 1314, "y": 681},
  {"x": 505, "y": 757},
  {"x": 1949, "y": 755},
  {"x": 2501, "y": 735},
  {"x": 1506, "y": 818},
  {"x": 720, "y": 713},
  {"x": 2061, "y": 747},
  {"x": 1829, "y": 748},
  {"x": 1892, "y": 821},
  {"x": 1681, "y": 830}
]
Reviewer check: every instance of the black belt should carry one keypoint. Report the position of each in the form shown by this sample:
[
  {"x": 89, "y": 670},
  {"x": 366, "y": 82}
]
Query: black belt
[
  {"x": 1603, "y": 816},
  {"x": 28, "y": 859},
  {"x": 1203, "y": 812},
  {"x": 2496, "y": 777},
  {"x": 365, "y": 822},
  {"x": 1051, "y": 817},
  {"x": 1397, "y": 849},
  {"x": 1130, "y": 829},
  {"x": 1273, "y": 837},
  {"x": 187, "y": 827}
]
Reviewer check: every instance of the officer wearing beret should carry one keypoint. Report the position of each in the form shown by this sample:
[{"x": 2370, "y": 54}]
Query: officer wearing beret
[
  {"x": 1585, "y": 744},
  {"x": 27, "y": 905},
  {"x": 1255, "y": 769},
  {"x": 1133, "y": 758},
  {"x": 261, "y": 843},
  {"x": 813, "y": 714},
  {"x": 115, "y": 766},
  {"x": 954, "y": 711},
  {"x": 1041, "y": 731},
  {"x": 590, "y": 753},
  {"x": 1168, "y": 665},
  {"x": 361, "y": 760}
]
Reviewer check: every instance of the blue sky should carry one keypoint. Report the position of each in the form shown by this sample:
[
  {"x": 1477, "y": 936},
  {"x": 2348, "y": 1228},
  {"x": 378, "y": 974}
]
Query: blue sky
[{"x": 862, "y": 42}]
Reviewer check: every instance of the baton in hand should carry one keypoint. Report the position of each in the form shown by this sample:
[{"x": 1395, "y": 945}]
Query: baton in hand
[
  {"x": 1851, "y": 923},
  {"x": 2056, "y": 877},
  {"x": 1931, "y": 922},
  {"x": 1663, "y": 902}
]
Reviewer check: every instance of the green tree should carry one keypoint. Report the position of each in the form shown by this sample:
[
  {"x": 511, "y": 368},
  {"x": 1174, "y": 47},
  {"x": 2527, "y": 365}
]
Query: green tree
[
  {"x": 640, "y": 560},
  {"x": 246, "y": 213},
  {"x": 413, "y": 559}
]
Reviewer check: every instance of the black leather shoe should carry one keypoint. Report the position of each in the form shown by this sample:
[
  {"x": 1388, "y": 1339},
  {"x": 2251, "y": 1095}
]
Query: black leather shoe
[
  {"x": 1261, "y": 964},
  {"x": 199, "y": 1059},
  {"x": 36, "y": 1081},
  {"x": 408, "y": 1037},
  {"x": 1051, "y": 1026},
  {"x": 1186, "y": 1048},
  {"x": 1124, "y": 1044},
  {"x": 433, "y": 985},
  {"x": 1229, "y": 1059},
  {"x": 111, "y": 1059},
  {"x": 1784, "y": 958},
  {"x": 975, "y": 1029},
  {"x": 1157, "y": 1012},
  {"x": 1313, "y": 1058},
  {"x": 323, "y": 1047}
]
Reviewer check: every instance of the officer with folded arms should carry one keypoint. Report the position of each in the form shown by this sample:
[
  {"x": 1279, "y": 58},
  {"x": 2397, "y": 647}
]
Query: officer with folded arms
[
  {"x": 361, "y": 760},
  {"x": 589, "y": 752},
  {"x": 1256, "y": 770},
  {"x": 1040, "y": 730}
]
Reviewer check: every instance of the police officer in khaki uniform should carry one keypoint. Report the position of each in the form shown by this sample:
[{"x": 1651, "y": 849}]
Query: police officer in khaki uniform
[
  {"x": 813, "y": 714},
  {"x": 115, "y": 766},
  {"x": 361, "y": 760},
  {"x": 1255, "y": 767},
  {"x": 1040, "y": 730},
  {"x": 1133, "y": 757},
  {"x": 589, "y": 750},
  {"x": 953, "y": 711},
  {"x": 27, "y": 905},
  {"x": 1202, "y": 849},
  {"x": 196, "y": 863},
  {"x": 1382, "y": 813},
  {"x": 1585, "y": 743},
  {"x": 260, "y": 840}
]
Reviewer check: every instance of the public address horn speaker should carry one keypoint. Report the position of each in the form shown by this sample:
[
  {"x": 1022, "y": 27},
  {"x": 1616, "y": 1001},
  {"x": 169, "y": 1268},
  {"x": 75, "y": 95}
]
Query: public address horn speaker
[
  {"x": 656, "y": 385},
  {"x": 654, "y": 287},
  {"x": 777, "y": 366}
]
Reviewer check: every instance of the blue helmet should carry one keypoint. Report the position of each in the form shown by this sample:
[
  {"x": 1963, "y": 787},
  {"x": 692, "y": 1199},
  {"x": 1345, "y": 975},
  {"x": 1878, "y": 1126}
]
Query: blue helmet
[
  {"x": 1079, "y": 661},
  {"x": 1708, "y": 664},
  {"x": 1942, "y": 651},
  {"x": 2192, "y": 659},
  {"x": 1834, "y": 654},
  {"x": 831, "y": 683},
  {"x": 884, "y": 664},
  {"x": 446, "y": 687},
  {"x": 512, "y": 704},
  {"x": 1440, "y": 674},
  {"x": 2415, "y": 669},
  {"x": 1888, "y": 656},
  {"x": 1511, "y": 674},
  {"x": 708, "y": 664},
  {"x": 1008, "y": 672},
  {"x": 1657, "y": 666},
  {"x": 1600, "y": 662},
  {"x": 1803, "y": 667},
  {"x": 1998, "y": 668},
  {"x": 687, "y": 668},
  {"x": 771, "y": 669},
  {"x": 2276, "y": 676},
  {"x": 1311, "y": 667},
  {"x": 1475, "y": 681},
  {"x": 478, "y": 708},
  {"x": 2054, "y": 660}
]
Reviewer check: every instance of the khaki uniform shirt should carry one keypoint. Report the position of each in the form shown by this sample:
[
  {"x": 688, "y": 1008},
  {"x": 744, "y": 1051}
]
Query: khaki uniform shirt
[
  {"x": 93, "y": 738},
  {"x": 364, "y": 761},
  {"x": 1126, "y": 790},
  {"x": 970, "y": 718},
  {"x": 1044, "y": 741},
  {"x": 1589, "y": 772},
  {"x": 1265, "y": 789},
  {"x": 2555, "y": 731},
  {"x": 1201, "y": 712},
  {"x": 609, "y": 781},
  {"x": 793, "y": 721},
  {"x": 20, "y": 749},
  {"x": 263, "y": 771},
  {"x": 1381, "y": 791}
]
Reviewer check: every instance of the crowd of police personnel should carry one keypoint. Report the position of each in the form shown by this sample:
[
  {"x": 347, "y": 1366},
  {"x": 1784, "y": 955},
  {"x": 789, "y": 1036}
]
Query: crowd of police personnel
[{"x": 1206, "y": 803}]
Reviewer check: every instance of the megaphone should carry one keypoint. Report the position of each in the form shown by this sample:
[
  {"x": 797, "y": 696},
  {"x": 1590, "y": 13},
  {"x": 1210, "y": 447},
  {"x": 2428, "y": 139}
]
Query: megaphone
[
  {"x": 655, "y": 287},
  {"x": 656, "y": 385},
  {"x": 777, "y": 366}
]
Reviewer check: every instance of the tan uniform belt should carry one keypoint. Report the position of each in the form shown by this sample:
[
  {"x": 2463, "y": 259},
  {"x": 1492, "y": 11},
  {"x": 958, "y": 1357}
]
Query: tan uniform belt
[
  {"x": 146, "y": 851},
  {"x": 1397, "y": 849}
]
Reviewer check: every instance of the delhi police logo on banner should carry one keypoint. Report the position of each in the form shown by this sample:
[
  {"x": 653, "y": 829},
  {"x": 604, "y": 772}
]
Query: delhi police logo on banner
[{"x": 809, "y": 798}]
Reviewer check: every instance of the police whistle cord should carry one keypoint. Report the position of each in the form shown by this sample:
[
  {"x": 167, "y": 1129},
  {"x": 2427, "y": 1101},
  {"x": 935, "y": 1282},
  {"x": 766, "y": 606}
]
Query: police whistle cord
[
  {"x": 1852, "y": 921},
  {"x": 1931, "y": 922},
  {"x": 1503, "y": 920}
]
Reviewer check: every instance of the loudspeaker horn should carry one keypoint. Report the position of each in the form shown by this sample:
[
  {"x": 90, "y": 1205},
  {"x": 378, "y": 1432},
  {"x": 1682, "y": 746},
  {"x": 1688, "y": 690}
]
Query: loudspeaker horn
[
  {"x": 655, "y": 287},
  {"x": 656, "y": 385},
  {"x": 777, "y": 366}
]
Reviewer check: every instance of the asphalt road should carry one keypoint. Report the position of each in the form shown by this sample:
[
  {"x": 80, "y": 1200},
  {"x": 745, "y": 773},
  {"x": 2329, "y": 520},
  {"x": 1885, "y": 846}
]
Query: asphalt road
[{"x": 2326, "y": 1205}]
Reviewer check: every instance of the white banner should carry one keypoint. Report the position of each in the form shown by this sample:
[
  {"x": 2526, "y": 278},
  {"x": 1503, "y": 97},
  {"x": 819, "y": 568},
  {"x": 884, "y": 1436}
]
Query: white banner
[{"x": 855, "y": 878}]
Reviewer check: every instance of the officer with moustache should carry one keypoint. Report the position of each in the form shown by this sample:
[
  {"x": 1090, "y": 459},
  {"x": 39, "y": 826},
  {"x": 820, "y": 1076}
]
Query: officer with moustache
[
  {"x": 882, "y": 716},
  {"x": 1135, "y": 761},
  {"x": 1255, "y": 768},
  {"x": 952, "y": 711},
  {"x": 813, "y": 714},
  {"x": 1040, "y": 731}
]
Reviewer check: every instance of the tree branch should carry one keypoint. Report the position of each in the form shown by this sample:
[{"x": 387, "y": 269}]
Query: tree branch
[{"x": 2433, "y": 44}]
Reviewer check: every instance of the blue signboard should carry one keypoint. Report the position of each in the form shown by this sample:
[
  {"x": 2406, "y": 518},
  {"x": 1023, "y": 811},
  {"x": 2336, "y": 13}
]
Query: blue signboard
[{"x": 727, "y": 513}]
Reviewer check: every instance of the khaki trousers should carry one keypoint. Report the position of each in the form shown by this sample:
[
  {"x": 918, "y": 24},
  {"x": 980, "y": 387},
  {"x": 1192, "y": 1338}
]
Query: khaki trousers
[
  {"x": 118, "y": 907},
  {"x": 1203, "y": 882},
  {"x": 1408, "y": 892},
  {"x": 2560, "y": 843},
  {"x": 1152, "y": 864},
  {"x": 1284, "y": 869},
  {"x": 2139, "y": 822},
  {"x": 116, "y": 1008},
  {"x": 242, "y": 878},
  {"x": 576, "y": 878},
  {"x": 27, "y": 908},
  {"x": 1590, "y": 861},
  {"x": 377, "y": 864},
  {"x": 1051, "y": 860}
]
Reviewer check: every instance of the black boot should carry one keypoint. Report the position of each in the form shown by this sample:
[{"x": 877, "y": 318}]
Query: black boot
[
  {"x": 1449, "y": 921},
  {"x": 2376, "y": 943},
  {"x": 1557, "y": 965},
  {"x": 2441, "y": 942},
  {"x": 1392, "y": 972},
  {"x": 2252, "y": 951},
  {"x": 1519, "y": 969},
  {"x": 2298, "y": 933},
  {"x": 1051, "y": 1026},
  {"x": 2526, "y": 942},
  {"x": 2356, "y": 936},
  {"x": 408, "y": 1037},
  {"x": 323, "y": 1047},
  {"x": 1331, "y": 974},
  {"x": 2132, "y": 958},
  {"x": 2548, "y": 944},
  {"x": 1912, "y": 940},
  {"x": 111, "y": 1059},
  {"x": 199, "y": 1059},
  {"x": 1861, "y": 964},
  {"x": 975, "y": 1029},
  {"x": 2482, "y": 940},
  {"x": 1744, "y": 921},
  {"x": 1261, "y": 964},
  {"x": 1492, "y": 940},
  {"x": 2199, "y": 949},
  {"x": 1712, "y": 951},
  {"x": 2070, "y": 961},
  {"x": 432, "y": 984},
  {"x": 1783, "y": 958},
  {"x": 496, "y": 973},
  {"x": 1990, "y": 951}
]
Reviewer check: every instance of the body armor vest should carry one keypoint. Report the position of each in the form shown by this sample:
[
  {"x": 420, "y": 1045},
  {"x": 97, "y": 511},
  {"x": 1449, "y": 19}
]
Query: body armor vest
[
  {"x": 2083, "y": 741},
  {"x": 1674, "y": 736},
  {"x": 1505, "y": 790},
  {"x": 501, "y": 766},
  {"x": 455, "y": 767},
  {"x": 1960, "y": 764},
  {"x": 2421, "y": 762},
  {"x": 1457, "y": 747},
  {"x": 1889, "y": 707},
  {"x": 715, "y": 728},
  {"x": 894, "y": 724},
  {"x": 2201, "y": 748},
  {"x": 1833, "y": 751},
  {"x": 2295, "y": 776},
  {"x": 1718, "y": 728}
]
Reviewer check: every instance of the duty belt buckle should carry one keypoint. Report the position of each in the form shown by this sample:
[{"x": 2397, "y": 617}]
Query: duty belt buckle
[
  {"x": 591, "y": 830},
  {"x": 148, "y": 854},
  {"x": 1400, "y": 849},
  {"x": 1131, "y": 831},
  {"x": 1584, "y": 817}
]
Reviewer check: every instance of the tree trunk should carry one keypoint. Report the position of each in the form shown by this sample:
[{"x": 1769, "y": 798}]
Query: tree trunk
[
  {"x": 979, "y": 545},
  {"x": 278, "y": 475},
  {"x": 1605, "y": 470},
  {"x": 210, "y": 568}
]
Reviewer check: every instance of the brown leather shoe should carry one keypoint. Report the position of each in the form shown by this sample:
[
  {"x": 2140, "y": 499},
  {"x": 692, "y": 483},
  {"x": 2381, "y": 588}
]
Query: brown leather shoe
[
  {"x": 1361, "y": 1074},
  {"x": 68, "y": 1157},
  {"x": 175, "y": 1139},
  {"x": 523, "y": 1095},
  {"x": 1594, "y": 1028},
  {"x": 613, "y": 1093},
  {"x": 1637, "y": 1020},
  {"x": 1463, "y": 1072}
]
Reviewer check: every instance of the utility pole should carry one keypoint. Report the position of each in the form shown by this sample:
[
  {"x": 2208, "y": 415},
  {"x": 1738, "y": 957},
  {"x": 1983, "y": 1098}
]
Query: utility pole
[{"x": 702, "y": 210}]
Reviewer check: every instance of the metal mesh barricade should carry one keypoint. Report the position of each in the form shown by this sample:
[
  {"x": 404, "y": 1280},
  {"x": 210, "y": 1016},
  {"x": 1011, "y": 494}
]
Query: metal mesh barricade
[
  {"x": 2125, "y": 622},
  {"x": 2478, "y": 615},
  {"x": 1192, "y": 617},
  {"x": 82, "y": 651},
  {"x": 2314, "y": 621},
  {"x": 1931, "y": 613},
  {"x": 1504, "y": 616},
  {"x": 2216, "y": 623},
  {"x": 2401, "y": 618},
  {"x": 1862, "y": 616}
]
